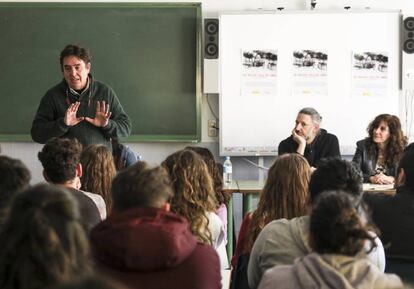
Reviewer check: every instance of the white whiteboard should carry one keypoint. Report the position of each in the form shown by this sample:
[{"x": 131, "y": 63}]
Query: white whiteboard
[{"x": 254, "y": 125}]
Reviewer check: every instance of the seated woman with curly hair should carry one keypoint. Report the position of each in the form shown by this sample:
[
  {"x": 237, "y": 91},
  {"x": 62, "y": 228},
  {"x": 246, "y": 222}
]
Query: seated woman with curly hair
[
  {"x": 194, "y": 199},
  {"x": 222, "y": 197},
  {"x": 378, "y": 154},
  {"x": 42, "y": 243}
]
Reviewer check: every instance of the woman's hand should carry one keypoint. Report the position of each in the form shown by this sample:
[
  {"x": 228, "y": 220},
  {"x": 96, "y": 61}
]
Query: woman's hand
[{"x": 381, "y": 179}]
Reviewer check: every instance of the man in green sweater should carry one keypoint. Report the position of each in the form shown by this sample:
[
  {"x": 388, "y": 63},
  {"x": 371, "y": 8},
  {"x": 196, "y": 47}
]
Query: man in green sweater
[{"x": 80, "y": 106}]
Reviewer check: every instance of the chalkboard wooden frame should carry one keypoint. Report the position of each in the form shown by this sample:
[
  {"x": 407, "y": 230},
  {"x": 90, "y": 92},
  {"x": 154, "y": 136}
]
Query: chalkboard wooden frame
[{"x": 163, "y": 100}]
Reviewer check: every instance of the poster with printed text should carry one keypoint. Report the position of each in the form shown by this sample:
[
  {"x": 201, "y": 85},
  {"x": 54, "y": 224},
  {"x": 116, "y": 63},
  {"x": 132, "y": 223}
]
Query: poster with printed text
[
  {"x": 369, "y": 74},
  {"x": 309, "y": 73},
  {"x": 258, "y": 72}
]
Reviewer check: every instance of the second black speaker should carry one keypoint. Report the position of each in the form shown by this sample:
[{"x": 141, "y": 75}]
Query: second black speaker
[{"x": 408, "y": 35}]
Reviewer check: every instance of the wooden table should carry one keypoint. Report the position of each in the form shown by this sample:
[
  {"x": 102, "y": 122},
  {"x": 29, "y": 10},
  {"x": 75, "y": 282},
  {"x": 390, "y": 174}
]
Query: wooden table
[{"x": 251, "y": 188}]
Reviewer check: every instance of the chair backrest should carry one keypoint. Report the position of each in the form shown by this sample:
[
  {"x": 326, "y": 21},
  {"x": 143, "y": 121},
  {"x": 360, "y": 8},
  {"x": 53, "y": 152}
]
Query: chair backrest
[{"x": 239, "y": 274}]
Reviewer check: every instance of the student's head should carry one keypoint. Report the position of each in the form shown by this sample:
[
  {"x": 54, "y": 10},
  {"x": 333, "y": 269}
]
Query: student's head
[
  {"x": 336, "y": 226},
  {"x": 141, "y": 186},
  {"x": 285, "y": 194},
  {"x": 307, "y": 123},
  {"x": 386, "y": 130},
  {"x": 60, "y": 158},
  {"x": 98, "y": 172},
  {"x": 193, "y": 191},
  {"x": 336, "y": 174},
  {"x": 406, "y": 169},
  {"x": 75, "y": 62},
  {"x": 42, "y": 242},
  {"x": 222, "y": 197},
  {"x": 15, "y": 177}
]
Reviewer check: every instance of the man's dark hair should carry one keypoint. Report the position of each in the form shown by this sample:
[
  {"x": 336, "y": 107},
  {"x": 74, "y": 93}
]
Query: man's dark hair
[
  {"x": 59, "y": 158},
  {"x": 141, "y": 186},
  {"x": 407, "y": 163},
  {"x": 336, "y": 174},
  {"x": 15, "y": 177},
  {"x": 75, "y": 50}
]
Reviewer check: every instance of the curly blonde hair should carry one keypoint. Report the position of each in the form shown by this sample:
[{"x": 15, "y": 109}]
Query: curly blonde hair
[
  {"x": 194, "y": 195},
  {"x": 207, "y": 155},
  {"x": 285, "y": 194},
  {"x": 98, "y": 172}
]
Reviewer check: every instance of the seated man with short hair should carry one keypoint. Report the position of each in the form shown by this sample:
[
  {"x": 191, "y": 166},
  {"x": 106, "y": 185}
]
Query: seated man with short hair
[
  {"x": 60, "y": 158},
  {"x": 309, "y": 140},
  {"x": 144, "y": 245},
  {"x": 282, "y": 241}
]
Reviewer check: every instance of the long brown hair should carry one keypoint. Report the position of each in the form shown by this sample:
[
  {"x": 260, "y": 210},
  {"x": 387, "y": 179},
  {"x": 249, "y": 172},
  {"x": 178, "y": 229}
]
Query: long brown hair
[
  {"x": 206, "y": 154},
  {"x": 98, "y": 171},
  {"x": 42, "y": 242},
  {"x": 193, "y": 191},
  {"x": 285, "y": 194},
  {"x": 397, "y": 141}
]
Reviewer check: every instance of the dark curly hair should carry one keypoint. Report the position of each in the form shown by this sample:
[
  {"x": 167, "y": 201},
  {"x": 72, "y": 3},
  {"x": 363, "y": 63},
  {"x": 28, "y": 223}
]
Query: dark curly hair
[
  {"x": 42, "y": 242},
  {"x": 336, "y": 226},
  {"x": 59, "y": 158},
  {"x": 205, "y": 153},
  {"x": 336, "y": 174},
  {"x": 396, "y": 143}
]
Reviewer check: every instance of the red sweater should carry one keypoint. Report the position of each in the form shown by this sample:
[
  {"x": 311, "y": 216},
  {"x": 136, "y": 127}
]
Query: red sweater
[
  {"x": 152, "y": 248},
  {"x": 242, "y": 239}
]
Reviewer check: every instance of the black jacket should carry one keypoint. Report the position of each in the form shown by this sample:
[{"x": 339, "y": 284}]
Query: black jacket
[
  {"x": 367, "y": 162},
  {"x": 394, "y": 216},
  {"x": 324, "y": 145}
]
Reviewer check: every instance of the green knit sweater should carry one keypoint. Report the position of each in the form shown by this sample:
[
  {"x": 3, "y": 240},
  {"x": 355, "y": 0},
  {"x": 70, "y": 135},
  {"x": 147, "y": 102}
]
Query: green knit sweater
[{"x": 49, "y": 119}]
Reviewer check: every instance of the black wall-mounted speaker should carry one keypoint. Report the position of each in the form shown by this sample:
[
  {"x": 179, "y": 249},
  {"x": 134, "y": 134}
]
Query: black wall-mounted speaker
[
  {"x": 408, "y": 35},
  {"x": 211, "y": 41}
]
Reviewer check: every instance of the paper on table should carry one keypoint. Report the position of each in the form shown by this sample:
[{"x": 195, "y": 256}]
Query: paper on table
[{"x": 375, "y": 187}]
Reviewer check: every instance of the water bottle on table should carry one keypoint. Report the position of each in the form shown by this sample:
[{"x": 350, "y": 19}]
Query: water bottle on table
[{"x": 227, "y": 170}]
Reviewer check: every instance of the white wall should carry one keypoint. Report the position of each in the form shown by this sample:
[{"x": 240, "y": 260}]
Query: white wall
[{"x": 156, "y": 152}]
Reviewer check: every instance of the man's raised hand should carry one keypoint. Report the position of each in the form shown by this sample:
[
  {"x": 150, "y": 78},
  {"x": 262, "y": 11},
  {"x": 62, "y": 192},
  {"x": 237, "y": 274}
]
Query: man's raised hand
[
  {"x": 102, "y": 115},
  {"x": 70, "y": 115}
]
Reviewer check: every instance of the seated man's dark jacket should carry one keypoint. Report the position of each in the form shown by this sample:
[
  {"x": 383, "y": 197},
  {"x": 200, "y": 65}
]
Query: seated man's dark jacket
[
  {"x": 367, "y": 161},
  {"x": 324, "y": 145},
  {"x": 394, "y": 216}
]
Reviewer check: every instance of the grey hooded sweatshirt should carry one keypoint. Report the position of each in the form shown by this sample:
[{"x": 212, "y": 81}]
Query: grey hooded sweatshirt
[
  {"x": 282, "y": 241},
  {"x": 329, "y": 272}
]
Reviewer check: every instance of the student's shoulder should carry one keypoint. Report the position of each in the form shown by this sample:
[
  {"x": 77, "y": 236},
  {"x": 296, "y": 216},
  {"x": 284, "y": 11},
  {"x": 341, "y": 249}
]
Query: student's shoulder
[{"x": 281, "y": 274}]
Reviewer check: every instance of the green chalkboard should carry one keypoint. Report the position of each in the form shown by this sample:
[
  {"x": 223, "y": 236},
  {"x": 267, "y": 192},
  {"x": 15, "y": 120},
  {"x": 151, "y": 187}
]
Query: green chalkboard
[{"x": 149, "y": 53}]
